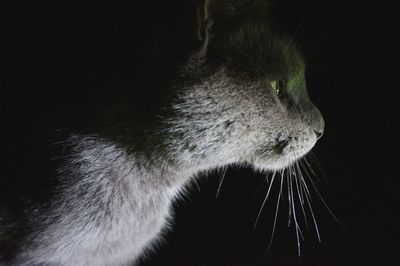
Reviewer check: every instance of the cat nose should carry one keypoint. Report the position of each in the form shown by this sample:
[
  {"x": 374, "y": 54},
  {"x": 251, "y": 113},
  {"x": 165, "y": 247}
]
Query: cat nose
[{"x": 319, "y": 133}]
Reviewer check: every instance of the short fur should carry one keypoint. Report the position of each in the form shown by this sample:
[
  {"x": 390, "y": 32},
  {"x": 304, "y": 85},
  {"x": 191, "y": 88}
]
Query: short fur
[{"x": 116, "y": 194}]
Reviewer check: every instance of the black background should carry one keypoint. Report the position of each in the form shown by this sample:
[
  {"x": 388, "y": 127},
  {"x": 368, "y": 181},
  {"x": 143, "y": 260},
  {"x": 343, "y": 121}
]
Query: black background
[{"x": 62, "y": 59}]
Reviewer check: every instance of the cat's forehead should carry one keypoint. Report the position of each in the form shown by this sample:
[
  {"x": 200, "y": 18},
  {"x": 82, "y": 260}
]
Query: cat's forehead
[{"x": 256, "y": 50}]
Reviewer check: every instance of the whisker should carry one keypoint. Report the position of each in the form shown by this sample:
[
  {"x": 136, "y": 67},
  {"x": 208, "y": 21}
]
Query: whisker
[
  {"x": 308, "y": 199},
  {"x": 289, "y": 196},
  {"x": 300, "y": 194},
  {"x": 308, "y": 175},
  {"x": 221, "y": 180},
  {"x": 297, "y": 228},
  {"x": 319, "y": 195},
  {"x": 326, "y": 205},
  {"x": 305, "y": 187},
  {"x": 276, "y": 213},
  {"x": 265, "y": 200},
  {"x": 311, "y": 170},
  {"x": 264, "y": 180},
  {"x": 319, "y": 167},
  {"x": 196, "y": 183}
]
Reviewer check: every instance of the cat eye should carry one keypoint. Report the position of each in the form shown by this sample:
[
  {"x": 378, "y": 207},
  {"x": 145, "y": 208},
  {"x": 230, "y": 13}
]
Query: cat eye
[{"x": 277, "y": 86}]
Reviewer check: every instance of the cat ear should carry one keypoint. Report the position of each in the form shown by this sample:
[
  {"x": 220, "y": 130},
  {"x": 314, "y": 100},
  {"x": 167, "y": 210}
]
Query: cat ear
[
  {"x": 204, "y": 24},
  {"x": 211, "y": 11},
  {"x": 215, "y": 17}
]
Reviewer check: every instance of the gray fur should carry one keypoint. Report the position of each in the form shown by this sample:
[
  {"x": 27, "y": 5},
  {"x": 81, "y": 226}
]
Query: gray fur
[{"x": 115, "y": 201}]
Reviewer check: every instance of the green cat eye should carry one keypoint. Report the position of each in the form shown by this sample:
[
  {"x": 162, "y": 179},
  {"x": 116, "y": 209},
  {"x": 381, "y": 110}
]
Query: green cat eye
[{"x": 277, "y": 86}]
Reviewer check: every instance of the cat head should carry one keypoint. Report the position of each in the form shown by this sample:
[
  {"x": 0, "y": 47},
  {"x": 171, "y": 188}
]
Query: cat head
[{"x": 244, "y": 96}]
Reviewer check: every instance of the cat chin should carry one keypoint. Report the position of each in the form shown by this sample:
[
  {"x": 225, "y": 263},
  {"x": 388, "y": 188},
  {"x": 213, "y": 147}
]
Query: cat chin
[
  {"x": 272, "y": 165},
  {"x": 281, "y": 161}
]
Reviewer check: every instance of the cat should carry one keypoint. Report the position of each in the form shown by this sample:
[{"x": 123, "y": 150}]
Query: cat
[{"x": 239, "y": 97}]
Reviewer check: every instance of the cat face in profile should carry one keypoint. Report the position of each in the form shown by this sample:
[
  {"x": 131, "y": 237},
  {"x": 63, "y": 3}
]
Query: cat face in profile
[{"x": 244, "y": 99}]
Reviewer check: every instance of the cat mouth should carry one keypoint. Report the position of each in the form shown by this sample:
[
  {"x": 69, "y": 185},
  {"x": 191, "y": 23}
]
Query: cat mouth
[
  {"x": 283, "y": 153},
  {"x": 280, "y": 146},
  {"x": 274, "y": 150}
]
